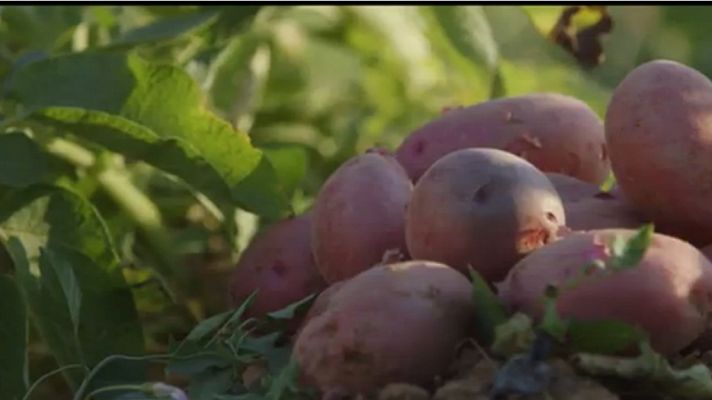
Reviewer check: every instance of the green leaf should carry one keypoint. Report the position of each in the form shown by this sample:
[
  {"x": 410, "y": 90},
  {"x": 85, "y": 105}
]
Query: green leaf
[
  {"x": 208, "y": 384},
  {"x": 13, "y": 336},
  {"x": 60, "y": 248},
  {"x": 627, "y": 253},
  {"x": 284, "y": 382},
  {"x": 529, "y": 62},
  {"x": 238, "y": 77},
  {"x": 64, "y": 273},
  {"x": 215, "y": 325},
  {"x": 514, "y": 336},
  {"x": 161, "y": 98},
  {"x": 22, "y": 161},
  {"x": 551, "y": 322},
  {"x": 653, "y": 371},
  {"x": 603, "y": 337},
  {"x": 291, "y": 164},
  {"x": 490, "y": 311},
  {"x": 173, "y": 155},
  {"x": 470, "y": 33},
  {"x": 166, "y": 28},
  {"x": 48, "y": 216},
  {"x": 291, "y": 310}
]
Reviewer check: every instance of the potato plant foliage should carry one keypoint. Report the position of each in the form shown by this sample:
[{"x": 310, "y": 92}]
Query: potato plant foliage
[{"x": 142, "y": 148}]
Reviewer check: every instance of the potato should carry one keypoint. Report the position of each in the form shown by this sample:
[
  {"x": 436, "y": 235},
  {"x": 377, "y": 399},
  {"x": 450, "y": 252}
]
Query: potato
[
  {"x": 397, "y": 322},
  {"x": 571, "y": 189},
  {"x": 556, "y": 133},
  {"x": 669, "y": 294},
  {"x": 587, "y": 208},
  {"x": 707, "y": 251},
  {"x": 359, "y": 214},
  {"x": 660, "y": 141},
  {"x": 481, "y": 207},
  {"x": 601, "y": 212},
  {"x": 279, "y": 264}
]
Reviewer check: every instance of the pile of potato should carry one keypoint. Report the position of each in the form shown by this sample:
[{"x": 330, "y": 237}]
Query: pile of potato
[{"x": 509, "y": 188}]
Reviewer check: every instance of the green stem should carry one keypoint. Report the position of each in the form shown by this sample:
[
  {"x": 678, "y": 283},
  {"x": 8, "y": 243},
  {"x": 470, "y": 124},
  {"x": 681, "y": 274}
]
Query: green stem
[
  {"x": 79, "y": 395},
  {"x": 46, "y": 376},
  {"x": 106, "y": 389}
]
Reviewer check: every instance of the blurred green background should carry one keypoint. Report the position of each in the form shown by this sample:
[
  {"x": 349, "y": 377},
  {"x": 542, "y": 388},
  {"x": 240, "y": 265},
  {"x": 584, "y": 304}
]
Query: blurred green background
[{"x": 315, "y": 85}]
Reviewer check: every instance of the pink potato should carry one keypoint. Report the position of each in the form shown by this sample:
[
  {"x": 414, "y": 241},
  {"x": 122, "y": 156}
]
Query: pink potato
[
  {"x": 587, "y": 208},
  {"x": 659, "y": 132},
  {"x": 601, "y": 213},
  {"x": 571, "y": 189},
  {"x": 279, "y": 264},
  {"x": 484, "y": 208},
  {"x": 554, "y": 132},
  {"x": 397, "y": 322},
  {"x": 669, "y": 294},
  {"x": 359, "y": 214},
  {"x": 707, "y": 251}
]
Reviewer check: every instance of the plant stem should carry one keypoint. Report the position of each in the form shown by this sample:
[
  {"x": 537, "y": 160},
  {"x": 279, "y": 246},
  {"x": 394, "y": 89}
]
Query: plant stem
[{"x": 46, "y": 376}]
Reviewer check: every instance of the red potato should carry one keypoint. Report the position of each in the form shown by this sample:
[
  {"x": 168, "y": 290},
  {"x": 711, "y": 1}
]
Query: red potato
[
  {"x": 556, "y": 133},
  {"x": 660, "y": 141},
  {"x": 359, "y": 214},
  {"x": 670, "y": 288},
  {"x": 571, "y": 189},
  {"x": 481, "y": 207},
  {"x": 601, "y": 213},
  {"x": 587, "y": 208},
  {"x": 279, "y": 264},
  {"x": 399, "y": 322},
  {"x": 707, "y": 251}
]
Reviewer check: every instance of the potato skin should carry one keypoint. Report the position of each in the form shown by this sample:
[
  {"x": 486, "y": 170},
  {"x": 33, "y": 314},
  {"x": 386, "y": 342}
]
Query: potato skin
[
  {"x": 279, "y": 263},
  {"x": 571, "y": 189},
  {"x": 707, "y": 251},
  {"x": 397, "y": 322},
  {"x": 359, "y": 214},
  {"x": 660, "y": 140},
  {"x": 602, "y": 212},
  {"x": 669, "y": 294},
  {"x": 587, "y": 208},
  {"x": 554, "y": 132},
  {"x": 481, "y": 207}
]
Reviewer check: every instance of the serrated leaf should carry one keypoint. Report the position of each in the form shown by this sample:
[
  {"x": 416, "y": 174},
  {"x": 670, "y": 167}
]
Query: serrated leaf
[
  {"x": 627, "y": 253},
  {"x": 165, "y": 100},
  {"x": 603, "y": 337},
  {"x": 51, "y": 217},
  {"x": 13, "y": 336},
  {"x": 651, "y": 370},
  {"x": 166, "y": 28},
  {"x": 490, "y": 311},
  {"x": 22, "y": 161},
  {"x": 120, "y": 134}
]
